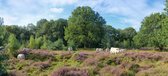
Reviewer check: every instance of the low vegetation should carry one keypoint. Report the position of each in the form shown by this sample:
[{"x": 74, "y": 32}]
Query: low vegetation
[{"x": 87, "y": 63}]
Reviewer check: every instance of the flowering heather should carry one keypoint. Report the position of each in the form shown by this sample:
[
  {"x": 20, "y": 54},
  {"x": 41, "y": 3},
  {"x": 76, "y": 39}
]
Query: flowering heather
[
  {"x": 42, "y": 65},
  {"x": 81, "y": 56},
  {"x": 66, "y": 71}
]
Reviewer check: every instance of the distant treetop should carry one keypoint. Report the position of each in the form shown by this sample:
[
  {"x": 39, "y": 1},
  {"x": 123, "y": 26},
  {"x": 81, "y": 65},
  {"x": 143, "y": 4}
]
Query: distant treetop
[{"x": 1, "y": 21}]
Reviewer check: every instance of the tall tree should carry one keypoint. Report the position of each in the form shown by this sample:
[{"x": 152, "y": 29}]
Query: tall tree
[
  {"x": 1, "y": 35},
  {"x": 41, "y": 27},
  {"x": 160, "y": 39},
  {"x": 53, "y": 29},
  {"x": 1, "y": 21},
  {"x": 21, "y": 32},
  {"x": 32, "y": 42},
  {"x": 166, "y": 7},
  {"x": 127, "y": 35},
  {"x": 110, "y": 37},
  {"x": 151, "y": 32},
  {"x": 85, "y": 27},
  {"x": 38, "y": 42},
  {"x": 45, "y": 44},
  {"x": 13, "y": 45}
]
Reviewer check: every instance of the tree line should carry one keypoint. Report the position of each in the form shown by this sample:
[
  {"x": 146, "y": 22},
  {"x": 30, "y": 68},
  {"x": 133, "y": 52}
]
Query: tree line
[{"x": 85, "y": 28}]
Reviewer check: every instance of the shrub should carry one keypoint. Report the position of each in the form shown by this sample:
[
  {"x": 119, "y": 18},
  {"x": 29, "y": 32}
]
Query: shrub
[
  {"x": 3, "y": 56},
  {"x": 130, "y": 66},
  {"x": 72, "y": 44},
  {"x": 57, "y": 45},
  {"x": 106, "y": 71},
  {"x": 40, "y": 55},
  {"x": 66, "y": 71},
  {"x": 90, "y": 61},
  {"x": 128, "y": 73},
  {"x": 80, "y": 56},
  {"x": 66, "y": 55},
  {"x": 144, "y": 55},
  {"x": 16, "y": 73},
  {"x": 3, "y": 71},
  {"x": 97, "y": 59},
  {"x": 42, "y": 65}
]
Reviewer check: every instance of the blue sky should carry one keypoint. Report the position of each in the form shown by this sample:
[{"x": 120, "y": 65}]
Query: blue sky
[{"x": 118, "y": 13}]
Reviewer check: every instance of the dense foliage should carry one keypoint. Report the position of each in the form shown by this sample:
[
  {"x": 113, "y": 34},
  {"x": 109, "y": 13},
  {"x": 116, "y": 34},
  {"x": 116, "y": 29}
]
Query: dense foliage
[
  {"x": 153, "y": 31},
  {"x": 86, "y": 28}
]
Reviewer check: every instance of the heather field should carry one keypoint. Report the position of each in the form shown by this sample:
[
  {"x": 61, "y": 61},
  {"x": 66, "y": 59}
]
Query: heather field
[{"x": 86, "y": 63}]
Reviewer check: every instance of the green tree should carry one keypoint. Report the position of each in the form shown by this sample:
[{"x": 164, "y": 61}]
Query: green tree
[
  {"x": 72, "y": 44},
  {"x": 1, "y": 35},
  {"x": 38, "y": 42},
  {"x": 21, "y": 33},
  {"x": 32, "y": 42},
  {"x": 110, "y": 37},
  {"x": 160, "y": 39},
  {"x": 152, "y": 33},
  {"x": 127, "y": 36},
  {"x": 46, "y": 43},
  {"x": 13, "y": 45},
  {"x": 41, "y": 22},
  {"x": 57, "y": 45},
  {"x": 85, "y": 27},
  {"x": 1, "y": 21},
  {"x": 166, "y": 7},
  {"x": 139, "y": 40},
  {"x": 53, "y": 29}
]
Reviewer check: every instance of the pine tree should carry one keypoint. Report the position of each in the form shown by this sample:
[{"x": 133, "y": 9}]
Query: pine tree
[
  {"x": 13, "y": 45},
  {"x": 31, "y": 42},
  {"x": 45, "y": 43},
  {"x": 38, "y": 42}
]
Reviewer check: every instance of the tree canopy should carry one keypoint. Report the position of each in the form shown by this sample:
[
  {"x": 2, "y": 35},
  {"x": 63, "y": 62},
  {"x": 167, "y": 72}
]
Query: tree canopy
[
  {"x": 152, "y": 32},
  {"x": 1, "y": 21},
  {"x": 85, "y": 27}
]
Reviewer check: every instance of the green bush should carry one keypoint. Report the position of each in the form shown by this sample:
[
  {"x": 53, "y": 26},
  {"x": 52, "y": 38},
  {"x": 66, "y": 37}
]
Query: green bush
[
  {"x": 57, "y": 45},
  {"x": 72, "y": 44},
  {"x": 3, "y": 71},
  {"x": 46, "y": 43},
  {"x": 128, "y": 73}
]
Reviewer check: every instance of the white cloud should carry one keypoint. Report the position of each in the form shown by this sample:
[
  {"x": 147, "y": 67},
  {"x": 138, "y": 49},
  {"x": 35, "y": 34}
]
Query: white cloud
[
  {"x": 59, "y": 2},
  {"x": 56, "y": 10},
  {"x": 134, "y": 23},
  {"x": 22, "y": 12}
]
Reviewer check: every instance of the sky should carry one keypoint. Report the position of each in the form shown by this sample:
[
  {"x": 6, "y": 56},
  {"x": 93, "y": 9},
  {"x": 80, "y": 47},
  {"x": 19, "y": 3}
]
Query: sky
[{"x": 117, "y": 13}]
